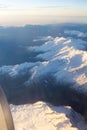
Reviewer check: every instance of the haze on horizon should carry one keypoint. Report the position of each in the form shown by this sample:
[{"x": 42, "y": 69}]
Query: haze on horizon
[{"x": 21, "y": 12}]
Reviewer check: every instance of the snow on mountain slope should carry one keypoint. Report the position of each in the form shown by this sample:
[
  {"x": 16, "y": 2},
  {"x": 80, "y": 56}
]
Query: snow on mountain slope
[
  {"x": 63, "y": 58},
  {"x": 66, "y": 58},
  {"x": 43, "y": 116}
]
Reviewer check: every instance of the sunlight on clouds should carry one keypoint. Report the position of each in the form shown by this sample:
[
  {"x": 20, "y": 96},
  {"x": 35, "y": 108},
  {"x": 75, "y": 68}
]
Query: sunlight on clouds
[
  {"x": 46, "y": 7},
  {"x": 51, "y": 11},
  {"x": 19, "y": 15}
]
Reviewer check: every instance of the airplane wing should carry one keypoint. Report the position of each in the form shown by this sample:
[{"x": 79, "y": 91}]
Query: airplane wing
[{"x": 6, "y": 121}]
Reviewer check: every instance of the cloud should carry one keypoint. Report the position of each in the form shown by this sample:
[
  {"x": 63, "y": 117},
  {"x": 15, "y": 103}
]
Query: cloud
[
  {"x": 53, "y": 7},
  {"x": 3, "y": 6},
  {"x": 76, "y": 33}
]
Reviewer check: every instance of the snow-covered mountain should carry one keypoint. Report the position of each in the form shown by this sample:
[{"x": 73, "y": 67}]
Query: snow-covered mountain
[
  {"x": 60, "y": 56},
  {"x": 43, "y": 116},
  {"x": 60, "y": 78}
]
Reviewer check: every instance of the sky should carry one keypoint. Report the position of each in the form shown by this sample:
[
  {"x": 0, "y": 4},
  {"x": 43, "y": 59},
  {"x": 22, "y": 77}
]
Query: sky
[{"x": 21, "y": 12}]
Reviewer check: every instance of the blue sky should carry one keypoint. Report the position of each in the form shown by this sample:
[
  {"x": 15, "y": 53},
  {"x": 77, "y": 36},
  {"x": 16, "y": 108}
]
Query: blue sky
[{"x": 21, "y": 12}]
